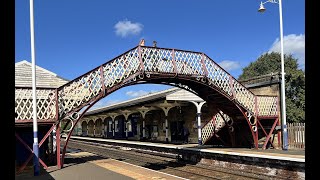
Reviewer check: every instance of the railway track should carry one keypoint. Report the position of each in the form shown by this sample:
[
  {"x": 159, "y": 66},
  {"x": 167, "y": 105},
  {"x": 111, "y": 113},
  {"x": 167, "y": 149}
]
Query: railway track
[{"x": 164, "y": 162}]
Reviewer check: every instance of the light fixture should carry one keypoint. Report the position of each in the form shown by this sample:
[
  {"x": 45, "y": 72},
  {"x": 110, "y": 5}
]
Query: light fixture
[{"x": 261, "y": 9}]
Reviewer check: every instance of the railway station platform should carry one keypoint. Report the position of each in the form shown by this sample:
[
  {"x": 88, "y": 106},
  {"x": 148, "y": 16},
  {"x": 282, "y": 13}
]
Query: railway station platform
[
  {"x": 86, "y": 166},
  {"x": 269, "y": 161},
  {"x": 277, "y": 154}
]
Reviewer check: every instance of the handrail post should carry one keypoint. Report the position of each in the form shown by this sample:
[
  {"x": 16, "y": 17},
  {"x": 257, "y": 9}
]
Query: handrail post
[{"x": 140, "y": 58}]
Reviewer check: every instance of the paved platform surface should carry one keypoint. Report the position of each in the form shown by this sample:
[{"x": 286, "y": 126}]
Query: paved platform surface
[
  {"x": 89, "y": 166},
  {"x": 288, "y": 155}
]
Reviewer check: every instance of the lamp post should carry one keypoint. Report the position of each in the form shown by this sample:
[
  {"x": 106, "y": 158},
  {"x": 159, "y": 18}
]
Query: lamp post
[
  {"x": 36, "y": 164},
  {"x": 283, "y": 96}
]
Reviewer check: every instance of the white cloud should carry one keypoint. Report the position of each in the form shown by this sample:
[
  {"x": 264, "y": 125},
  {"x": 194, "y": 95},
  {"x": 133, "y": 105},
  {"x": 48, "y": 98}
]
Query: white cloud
[
  {"x": 125, "y": 28},
  {"x": 230, "y": 65},
  {"x": 138, "y": 93},
  {"x": 292, "y": 44}
]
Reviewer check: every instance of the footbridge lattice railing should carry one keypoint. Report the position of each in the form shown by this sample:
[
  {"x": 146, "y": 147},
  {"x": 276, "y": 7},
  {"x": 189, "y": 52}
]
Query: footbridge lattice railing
[
  {"x": 136, "y": 63},
  {"x": 46, "y": 104}
]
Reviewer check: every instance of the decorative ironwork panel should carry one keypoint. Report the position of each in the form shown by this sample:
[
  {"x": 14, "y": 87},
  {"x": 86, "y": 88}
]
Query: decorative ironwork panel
[
  {"x": 208, "y": 130},
  {"x": 214, "y": 126},
  {"x": 121, "y": 68},
  {"x": 79, "y": 91},
  {"x": 157, "y": 60},
  {"x": 46, "y": 104},
  {"x": 267, "y": 105},
  {"x": 188, "y": 63},
  {"x": 225, "y": 116},
  {"x": 244, "y": 96},
  {"x": 219, "y": 122},
  {"x": 217, "y": 76}
]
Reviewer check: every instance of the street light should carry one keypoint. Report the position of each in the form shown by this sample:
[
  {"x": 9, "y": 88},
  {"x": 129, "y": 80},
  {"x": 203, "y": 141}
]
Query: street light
[
  {"x": 283, "y": 99},
  {"x": 34, "y": 97}
]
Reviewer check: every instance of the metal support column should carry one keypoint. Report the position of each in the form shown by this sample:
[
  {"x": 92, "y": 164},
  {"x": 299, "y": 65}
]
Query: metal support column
[
  {"x": 199, "y": 106},
  {"x": 58, "y": 146},
  {"x": 167, "y": 131},
  {"x": 143, "y": 129},
  {"x": 126, "y": 114},
  {"x": 88, "y": 129},
  {"x": 94, "y": 129},
  {"x": 143, "y": 110}
]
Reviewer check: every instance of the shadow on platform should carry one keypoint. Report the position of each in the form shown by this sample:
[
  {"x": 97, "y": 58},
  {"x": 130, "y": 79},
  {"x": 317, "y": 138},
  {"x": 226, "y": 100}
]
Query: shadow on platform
[{"x": 28, "y": 172}]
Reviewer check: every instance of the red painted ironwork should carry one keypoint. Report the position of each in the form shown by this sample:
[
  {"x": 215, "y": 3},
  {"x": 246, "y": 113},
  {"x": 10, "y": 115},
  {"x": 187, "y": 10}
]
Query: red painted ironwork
[
  {"x": 268, "y": 135},
  {"x": 58, "y": 146},
  {"x": 102, "y": 81},
  {"x": 204, "y": 65},
  {"x": 187, "y": 59},
  {"x": 22, "y": 141},
  {"x": 279, "y": 124},
  {"x": 232, "y": 87},
  {"x": 256, "y": 119},
  {"x": 255, "y": 140},
  {"x": 230, "y": 133},
  {"x": 84, "y": 90},
  {"x": 140, "y": 58},
  {"x": 31, "y": 151},
  {"x": 43, "y": 164},
  {"x": 57, "y": 105},
  {"x": 46, "y": 136},
  {"x": 174, "y": 63},
  {"x": 279, "y": 136},
  {"x": 218, "y": 137},
  {"x": 25, "y": 163},
  {"x": 70, "y": 132}
]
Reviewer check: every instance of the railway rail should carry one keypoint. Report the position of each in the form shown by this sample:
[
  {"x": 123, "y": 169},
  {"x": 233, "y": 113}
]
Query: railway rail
[{"x": 165, "y": 162}]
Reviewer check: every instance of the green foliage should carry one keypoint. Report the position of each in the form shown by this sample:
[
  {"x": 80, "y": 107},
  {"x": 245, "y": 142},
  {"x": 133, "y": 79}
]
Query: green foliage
[
  {"x": 63, "y": 125},
  {"x": 294, "y": 77}
]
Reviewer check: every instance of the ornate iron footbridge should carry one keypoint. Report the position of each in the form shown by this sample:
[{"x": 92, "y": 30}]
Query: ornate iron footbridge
[{"x": 193, "y": 71}]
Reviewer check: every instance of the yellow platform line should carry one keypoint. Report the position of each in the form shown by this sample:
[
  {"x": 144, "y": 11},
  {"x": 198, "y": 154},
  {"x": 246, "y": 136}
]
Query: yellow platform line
[{"x": 133, "y": 171}]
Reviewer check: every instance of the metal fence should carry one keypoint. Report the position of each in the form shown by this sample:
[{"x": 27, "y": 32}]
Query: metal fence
[{"x": 296, "y": 135}]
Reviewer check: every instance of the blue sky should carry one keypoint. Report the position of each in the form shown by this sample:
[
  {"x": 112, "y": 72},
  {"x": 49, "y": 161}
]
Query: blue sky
[{"x": 74, "y": 36}]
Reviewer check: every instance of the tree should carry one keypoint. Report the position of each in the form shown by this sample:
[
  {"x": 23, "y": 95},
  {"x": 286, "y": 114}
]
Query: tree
[{"x": 294, "y": 77}]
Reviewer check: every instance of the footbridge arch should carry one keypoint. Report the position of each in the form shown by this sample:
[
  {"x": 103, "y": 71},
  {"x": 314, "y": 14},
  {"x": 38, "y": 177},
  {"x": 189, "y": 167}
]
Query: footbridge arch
[{"x": 193, "y": 71}]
